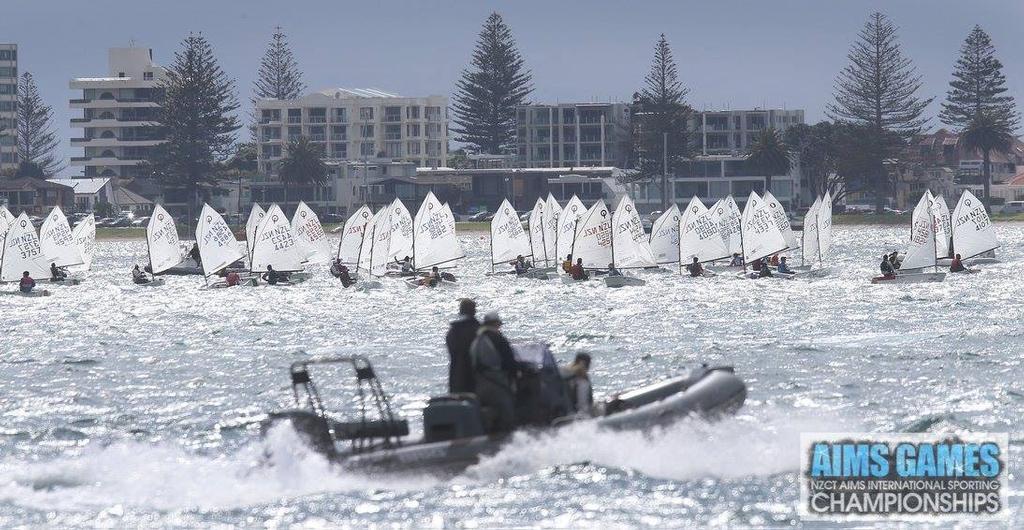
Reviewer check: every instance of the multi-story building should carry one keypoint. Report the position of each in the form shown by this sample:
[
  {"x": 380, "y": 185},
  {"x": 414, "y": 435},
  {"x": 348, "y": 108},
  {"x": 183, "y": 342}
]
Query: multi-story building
[
  {"x": 724, "y": 132},
  {"x": 119, "y": 115},
  {"x": 8, "y": 106},
  {"x": 362, "y": 125},
  {"x": 573, "y": 135}
]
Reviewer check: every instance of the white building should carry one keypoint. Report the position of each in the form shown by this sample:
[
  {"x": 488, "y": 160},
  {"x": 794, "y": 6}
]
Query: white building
[
  {"x": 119, "y": 114},
  {"x": 573, "y": 135},
  {"x": 734, "y": 131},
  {"x": 89, "y": 191},
  {"x": 363, "y": 125},
  {"x": 8, "y": 106}
]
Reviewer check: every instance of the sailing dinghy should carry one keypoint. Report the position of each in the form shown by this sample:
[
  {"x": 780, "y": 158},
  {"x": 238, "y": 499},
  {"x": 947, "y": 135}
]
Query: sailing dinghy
[
  {"x": 664, "y": 239},
  {"x": 21, "y": 252},
  {"x": 310, "y": 234},
  {"x": 162, "y": 243},
  {"x": 973, "y": 234},
  {"x": 218, "y": 247},
  {"x": 538, "y": 246},
  {"x": 630, "y": 247},
  {"x": 700, "y": 235},
  {"x": 921, "y": 250},
  {"x": 85, "y": 237},
  {"x": 59, "y": 246},
  {"x": 552, "y": 210},
  {"x": 508, "y": 238},
  {"x": 434, "y": 240},
  {"x": 591, "y": 240},
  {"x": 256, "y": 215},
  {"x": 277, "y": 246},
  {"x": 760, "y": 236},
  {"x": 565, "y": 231}
]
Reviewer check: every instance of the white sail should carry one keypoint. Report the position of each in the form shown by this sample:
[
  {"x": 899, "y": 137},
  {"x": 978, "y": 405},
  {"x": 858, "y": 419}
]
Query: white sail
[
  {"x": 85, "y": 237},
  {"x": 566, "y": 229},
  {"x": 665, "y": 237},
  {"x": 21, "y": 252},
  {"x": 351, "y": 244},
  {"x": 256, "y": 215},
  {"x": 943, "y": 229},
  {"x": 218, "y": 247},
  {"x": 401, "y": 232},
  {"x": 5, "y": 219},
  {"x": 973, "y": 231},
  {"x": 630, "y": 245},
  {"x": 700, "y": 236},
  {"x": 276, "y": 244},
  {"x": 809, "y": 237},
  {"x": 921, "y": 249},
  {"x": 552, "y": 210},
  {"x": 729, "y": 217},
  {"x": 825, "y": 225},
  {"x": 162, "y": 237},
  {"x": 57, "y": 241},
  {"x": 592, "y": 240},
  {"x": 378, "y": 243},
  {"x": 508, "y": 239},
  {"x": 781, "y": 220},
  {"x": 761, "y": 236},
  {"x": 536, "y": 226},
  {"x": 310, "y": 233},
  {"x": 434, "y": 240}
]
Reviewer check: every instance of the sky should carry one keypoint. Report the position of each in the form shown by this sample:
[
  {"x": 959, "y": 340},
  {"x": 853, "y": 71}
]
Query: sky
[{"x": 730, "y": 54}]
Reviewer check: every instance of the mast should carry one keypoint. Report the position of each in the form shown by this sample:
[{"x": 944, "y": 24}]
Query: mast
[
  {"x": 359, "y": 255},
  {"x": 492, "y": 243},
  {"x": 743, "y": 252}
]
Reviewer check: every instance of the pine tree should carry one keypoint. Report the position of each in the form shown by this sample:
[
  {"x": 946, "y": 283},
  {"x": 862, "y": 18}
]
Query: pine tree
[
  {"x": 37, "y": 141},
  {"x": 878, "y": 90},
  {"x": 978, "y": 86},
  {"x": 279, "y": 76},
  {"x": 196, "y": 116},
  {"x": 485, "y": 99},
  {"x": 660, "y": 116}
]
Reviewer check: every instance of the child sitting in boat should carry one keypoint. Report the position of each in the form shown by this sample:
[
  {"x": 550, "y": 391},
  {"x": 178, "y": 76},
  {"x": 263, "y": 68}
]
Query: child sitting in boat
[
  {"x": 957, "y": 265},
  {"x": 886, "y": 267},
  {"x": 27, "y": 283},
  {"x": 138, "y": 276},
  {"x": 57, "y": 274}
]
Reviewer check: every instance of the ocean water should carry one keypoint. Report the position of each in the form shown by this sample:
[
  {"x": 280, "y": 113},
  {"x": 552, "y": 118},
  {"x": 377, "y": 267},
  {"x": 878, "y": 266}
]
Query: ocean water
[{"x": 128, "y": 406}]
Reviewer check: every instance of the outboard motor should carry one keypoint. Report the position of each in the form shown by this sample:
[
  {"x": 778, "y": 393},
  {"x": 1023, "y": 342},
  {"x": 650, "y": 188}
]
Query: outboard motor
[{"x": 451, "y": 417}]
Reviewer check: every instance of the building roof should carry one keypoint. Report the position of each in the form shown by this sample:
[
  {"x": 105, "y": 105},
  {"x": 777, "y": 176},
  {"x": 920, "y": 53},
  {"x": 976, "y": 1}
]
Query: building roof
[
  {"x": 30, "y": 183},
  {"x": 1016, "y": 180},
  {"x": 83, "y": 186},
  {"x": 127, "y": 197},
  {"x": 344, "y": 93}
]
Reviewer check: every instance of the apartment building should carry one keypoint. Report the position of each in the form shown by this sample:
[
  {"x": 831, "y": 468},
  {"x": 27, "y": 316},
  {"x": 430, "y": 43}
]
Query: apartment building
[
  {"x": 573, "y": 135},
  {"x": 362, "y": 125},
  {"x": 719, "y": 132},
  {"x": 119, "y": 115},
  {"x": 8, "y": 106}
]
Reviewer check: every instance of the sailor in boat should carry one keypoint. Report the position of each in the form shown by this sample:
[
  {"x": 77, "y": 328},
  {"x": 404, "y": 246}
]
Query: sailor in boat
[
  {"x": 26, "y": 284},
  {"x": 887, "y": 269},
  {"x": 57, "y": 274},
  {"x": 495, "y": 372},
  {"x": 762, "y": 268},
  {"x": 577, "y": 380},
  {"x": 567, "y": 264},
  {"x": 894, "y": 260},
  {"x": 406, "y": 264},
  {"x": 957, "y": 265},
  {"x": 775, "y": 260},
  {"x": 783, "y": 266},
  {"x": 138, "y": 276},
  {"x": 272, "y": 276},
  {"x": 432, "y": 279},
  {"x": 612, "y": 271},
  {"x": 577, "y": 271},
  {"x": 695, "y": 268},
  {"x": 737, "y": 260},
  {"x": 336, "y": 268},
  {"x": 461, "y": 334},
  {"x": 346, "y": 279},
  {"x": 520, "y": 265},
  {"x": 232, "y": 279},
  {"x": 194, "y": 254}
]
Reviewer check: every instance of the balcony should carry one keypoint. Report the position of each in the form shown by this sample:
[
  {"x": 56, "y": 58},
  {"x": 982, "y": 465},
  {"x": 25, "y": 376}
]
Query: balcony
[
  {"x": 317, "y": 138},
  {"x": 120, "y": 103},
  {"x": 116, "y": 142},
  {"x": 294, "y": 119},
  {"x": 317, "y": 119},
  {"x": 104, "y": 161}
]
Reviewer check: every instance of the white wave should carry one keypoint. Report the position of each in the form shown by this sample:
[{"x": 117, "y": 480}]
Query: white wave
[
  {"x": 166, "y": 477},
  {"x": 733, "y": 448}
]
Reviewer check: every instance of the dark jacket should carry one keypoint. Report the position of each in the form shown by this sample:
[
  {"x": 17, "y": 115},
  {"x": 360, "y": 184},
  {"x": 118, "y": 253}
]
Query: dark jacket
[
  {"x": 696, "y": 269},
  {"x": 886, "y": 268},
  {"x": 493, "y": 357},
  {"x": 460, "y": 368}
]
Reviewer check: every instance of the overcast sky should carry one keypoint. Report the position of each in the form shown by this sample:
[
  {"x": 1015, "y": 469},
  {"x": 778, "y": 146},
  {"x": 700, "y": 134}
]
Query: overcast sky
[{"x": 730, "y": 54}]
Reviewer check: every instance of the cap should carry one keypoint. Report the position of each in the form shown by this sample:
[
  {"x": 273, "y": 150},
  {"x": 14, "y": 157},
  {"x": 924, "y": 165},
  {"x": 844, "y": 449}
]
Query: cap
[{"x": 492, "y": 318}]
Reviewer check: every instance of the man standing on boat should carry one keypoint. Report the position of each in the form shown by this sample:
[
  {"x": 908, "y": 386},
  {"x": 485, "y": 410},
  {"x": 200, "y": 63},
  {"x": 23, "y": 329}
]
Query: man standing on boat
[
  {"x": 494, "y": 368},
  {"x": 461, "y": 333}
]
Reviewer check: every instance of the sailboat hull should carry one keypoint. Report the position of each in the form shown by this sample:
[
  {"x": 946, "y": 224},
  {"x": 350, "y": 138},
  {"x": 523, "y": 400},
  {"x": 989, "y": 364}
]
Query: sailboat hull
[
  {"x": 914, "y": 277},
  {"x": 623, "y": 281}
]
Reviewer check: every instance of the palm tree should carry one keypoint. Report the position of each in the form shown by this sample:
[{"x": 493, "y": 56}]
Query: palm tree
[
  {"x": 769, "y": 156},
  {"x": 304, "y": 166},
  {"x": 987, "y": 133}
]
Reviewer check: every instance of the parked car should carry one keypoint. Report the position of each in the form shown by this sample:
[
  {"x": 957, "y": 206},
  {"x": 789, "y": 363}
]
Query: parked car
[
  {"x": 1013, "y": 207},
  {"x": 121, "y": 222},
  {"x": 332, "y": 218},
  {"x": 105, "y": 221},
  {"x": 480, "y": 217},
  {"x": 524, "y": 216},
  {"x": 140, "y": 221}
]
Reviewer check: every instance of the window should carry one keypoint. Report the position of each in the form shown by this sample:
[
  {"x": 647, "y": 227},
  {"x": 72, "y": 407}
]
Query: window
[
  {"x": 339, "y": 150},
  {"x": 8, "y": 55},
  {"x": 412, "y": 113},
  {"x": 147, "y": 76},
  {"x": 340, "y": 115},
  {"x": 392, "y": 132},
  {"x": 272, "y": 150},
  {"x": 8, "y": 88},
  {"x": 366, "y": 149},
  {"x": 686, "y": 189},
  {"x": 718, "y": 189},
  {"x": 294, "y": 115},
  {"x": 366, "y": 113},
  {"x": 434, "y": 113},
  {"x": 317, "y": 133},
  {"x": 392, "y": 114},
  {"x": 8, "y": 106},
  {"x": 742, "y": 188},
  {"x": 366, "y": 131},
  {"x": 8, "y": 71},
  {"x": 412, "y": 130},
  {"x": 318, "y": 115},
  {"x": 413, "y": 148},
  {"x": 393, "y": 149},
  {"x": 294, "y": 133},
  {"x": 339, "y": 132},
  {"x": 271, "y": 133},
  {"x": 270, "y": 115}
]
